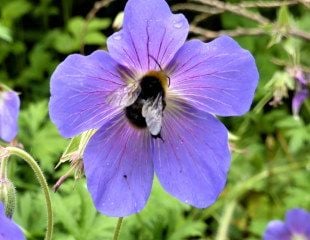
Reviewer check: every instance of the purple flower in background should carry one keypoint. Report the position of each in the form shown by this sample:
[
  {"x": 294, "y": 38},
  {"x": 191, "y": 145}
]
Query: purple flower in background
[
  {"x": 8, "y": 229},
  {"x": 9, "y": 109},
  {"x": 302, "y": 91},
  {"x": 153, "y": 97},
  {"x": 295, "y": 227}
]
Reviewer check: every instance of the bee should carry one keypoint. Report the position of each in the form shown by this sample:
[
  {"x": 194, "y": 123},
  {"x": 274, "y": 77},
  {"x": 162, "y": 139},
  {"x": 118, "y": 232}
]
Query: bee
[{"x": 144, "y": 101}]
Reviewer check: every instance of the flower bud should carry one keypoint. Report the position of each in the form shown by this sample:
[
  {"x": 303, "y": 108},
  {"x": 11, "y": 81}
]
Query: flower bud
[{"x": 7, "y": 196}]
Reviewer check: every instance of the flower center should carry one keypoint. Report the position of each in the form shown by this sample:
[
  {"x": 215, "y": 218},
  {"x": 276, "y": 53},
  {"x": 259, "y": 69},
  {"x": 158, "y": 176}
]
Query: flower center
[{"x": 148, "y": 108}]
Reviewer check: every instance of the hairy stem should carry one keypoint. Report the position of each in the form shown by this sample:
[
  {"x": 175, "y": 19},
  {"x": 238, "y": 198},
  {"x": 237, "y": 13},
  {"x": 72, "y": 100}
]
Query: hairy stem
[
  {"x": 38, "y": 172},
  {"x": 3, "y": 168}
]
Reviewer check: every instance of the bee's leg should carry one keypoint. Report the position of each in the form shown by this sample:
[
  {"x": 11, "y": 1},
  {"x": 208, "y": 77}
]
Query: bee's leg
[{"x": 158, "y": 136}]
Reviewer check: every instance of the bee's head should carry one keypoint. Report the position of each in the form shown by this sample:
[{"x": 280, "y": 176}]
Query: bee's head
[{"x": 153, "y": 83}]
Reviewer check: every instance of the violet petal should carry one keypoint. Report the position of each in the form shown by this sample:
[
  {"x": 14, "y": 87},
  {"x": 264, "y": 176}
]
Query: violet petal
[
  {"x": 9, "y": 110},
  {"x": 149, "y": 31},
  {"x": 298, "y": 221},
  {"x": 298, "y": 99},
  {"x": 277, "y": 230},
  {"x": 217, "y": 77},
  {"x": 8, "y": 229},
  {"x": 119, "y": 168},
  {"x": 193, "y": 158},
  {"x": 79, "y": 89}
]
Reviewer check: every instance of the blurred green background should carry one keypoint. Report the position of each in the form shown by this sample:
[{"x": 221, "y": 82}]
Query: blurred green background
[{"x": 270, "y": 169}]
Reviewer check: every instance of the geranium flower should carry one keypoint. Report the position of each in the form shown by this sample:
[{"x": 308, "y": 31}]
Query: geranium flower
[
  {"x": 153, "y": 97},
  {"x": 302, "y": 91},
  {"x": 295, "y": 227},
  {"x": 8, "y": 229},
  {"x": 9, "y": 109}
]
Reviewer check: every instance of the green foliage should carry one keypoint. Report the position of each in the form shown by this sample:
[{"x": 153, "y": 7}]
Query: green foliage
[
  {"x": 162, "y": 219},
  {"x": 5, "y": 33},
  {"x": 78, "y": 32},
  {"x": 40, "y": 135}
]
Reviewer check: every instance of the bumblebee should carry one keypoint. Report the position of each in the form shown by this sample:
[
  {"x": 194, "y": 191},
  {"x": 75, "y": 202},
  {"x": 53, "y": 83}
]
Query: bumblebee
[{"x": 144, "y": 101}]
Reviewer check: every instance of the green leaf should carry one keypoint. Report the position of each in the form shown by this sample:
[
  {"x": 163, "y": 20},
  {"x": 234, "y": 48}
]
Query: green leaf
[
  {"x": 65, "y": 44},
  {"x": 283, "y": 17},
  {"x": 99, "y": 24},
  {"x": 31, "y": 214},
  {"x": 76, "y": 26},
  {"x": 40, "y": 135},
  {"x": 75, "y": 212},
  {"x": 14, "y": 10},
  {"x": 5, "y": 33},
  {"x": 95, "y": 38}
]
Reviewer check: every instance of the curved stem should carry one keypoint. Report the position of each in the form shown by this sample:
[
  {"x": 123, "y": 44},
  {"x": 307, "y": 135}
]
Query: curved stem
[
  {"x": 38, "y": 172},
  {"x": 118, "y": 228}
]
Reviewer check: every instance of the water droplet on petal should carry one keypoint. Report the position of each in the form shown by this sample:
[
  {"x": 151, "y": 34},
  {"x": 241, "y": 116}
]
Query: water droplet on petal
[
  {"x": 117, "y": 36},
  {"x": 186, "y": 201},
  {"x": 178, "y": 24}
]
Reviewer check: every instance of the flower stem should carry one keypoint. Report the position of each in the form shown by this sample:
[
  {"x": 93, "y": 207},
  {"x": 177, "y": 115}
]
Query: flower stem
[
  {"x": 3, "y": 168},
  {"x": 118, "y": 228},
  {"x": 225, "y": 221},
  {"x": 38, "y": 172}
]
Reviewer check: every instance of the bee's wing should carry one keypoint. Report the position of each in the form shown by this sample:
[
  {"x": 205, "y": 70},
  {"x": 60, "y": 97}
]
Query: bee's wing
[
  {"x": 152, "y": 111},
  {"x": 124, "y": 97}
]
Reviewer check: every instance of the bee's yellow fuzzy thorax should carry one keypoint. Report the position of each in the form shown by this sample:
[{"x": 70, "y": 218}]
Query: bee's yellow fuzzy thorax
[{"x": 161, "y": 76}]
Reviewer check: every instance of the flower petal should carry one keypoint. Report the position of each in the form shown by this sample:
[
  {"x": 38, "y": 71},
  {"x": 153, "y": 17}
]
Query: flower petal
[
  {"x": 276, "y": 230},
  {"x": 193, "y": 158},
  {"x": 79, "y": 89},
  {"x": 149, "y": 31},
  {"x": 217, "y": 77},
  {"x": 118, "y": 167},
  {"x": 298, "y": 99},
  {"x": 298, "y": 221},
  {"x": 8, "y": 229},
  {"x": 9, "y": 109}
]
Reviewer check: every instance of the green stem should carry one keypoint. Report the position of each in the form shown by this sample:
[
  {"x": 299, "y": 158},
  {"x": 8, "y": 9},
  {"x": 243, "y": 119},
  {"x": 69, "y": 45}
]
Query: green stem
[
  {"x": 38, "y": 172},
  {"x": 222, "y": 232},
  {"x": 118, "y": 228},
  {"x": 3, "y": 168}
]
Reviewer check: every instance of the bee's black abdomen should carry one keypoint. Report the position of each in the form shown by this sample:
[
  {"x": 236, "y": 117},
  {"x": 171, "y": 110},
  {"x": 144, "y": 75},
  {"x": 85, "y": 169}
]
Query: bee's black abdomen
[
  {"x": 134, "y": 114},
  {"x": 150, "y": 88}
]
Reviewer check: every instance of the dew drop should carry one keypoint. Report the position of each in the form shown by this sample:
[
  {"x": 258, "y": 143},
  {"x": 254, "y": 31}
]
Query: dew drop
[
  {"x": 178, "y": 24},
  {"x": 117, "y": 36},
  {"x": 186, "y": 201}
]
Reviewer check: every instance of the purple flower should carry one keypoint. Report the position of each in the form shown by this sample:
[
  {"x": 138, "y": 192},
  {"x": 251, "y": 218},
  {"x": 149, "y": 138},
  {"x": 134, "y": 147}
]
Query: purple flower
[
  {"x": 301, "y": 92},
  {"x": 8, "y": 229},
  {"x": 152, "y": 98},
  {"x": 9, "y": 109},
  {"x": 295, "y": 227}
]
